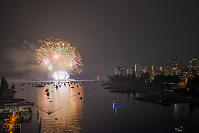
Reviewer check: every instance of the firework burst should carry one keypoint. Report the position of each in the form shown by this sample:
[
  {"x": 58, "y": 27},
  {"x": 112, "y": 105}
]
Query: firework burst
[{"x": 59, "y": 57}]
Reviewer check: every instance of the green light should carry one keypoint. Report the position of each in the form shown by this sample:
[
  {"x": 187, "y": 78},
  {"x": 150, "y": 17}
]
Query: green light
[{"x": 50, "y": 67}]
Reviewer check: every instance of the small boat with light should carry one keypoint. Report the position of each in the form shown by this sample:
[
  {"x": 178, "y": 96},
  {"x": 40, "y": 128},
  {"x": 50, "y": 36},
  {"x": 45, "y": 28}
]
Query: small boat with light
[
  {"x": 179, "y": 129},
  {"x": 116, "y": 106}
]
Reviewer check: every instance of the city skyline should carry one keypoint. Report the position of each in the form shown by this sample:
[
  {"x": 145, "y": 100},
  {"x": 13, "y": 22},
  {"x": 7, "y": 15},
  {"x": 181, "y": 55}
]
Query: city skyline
[
  {"x": 174, "y": 68},
  {"x": 185, "y": 63},
  {"x": 107, "y": 34}
]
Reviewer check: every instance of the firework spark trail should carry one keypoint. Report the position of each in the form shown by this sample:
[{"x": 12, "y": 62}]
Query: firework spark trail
[{"x": 57, "y": 55}]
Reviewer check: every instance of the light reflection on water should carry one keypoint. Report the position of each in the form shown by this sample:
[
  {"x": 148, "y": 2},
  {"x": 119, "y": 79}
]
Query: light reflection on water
[
  {"x": 65, "y": 105},
  {"x": 95, "y": 113},
  {"x": 58, "y": 112}
]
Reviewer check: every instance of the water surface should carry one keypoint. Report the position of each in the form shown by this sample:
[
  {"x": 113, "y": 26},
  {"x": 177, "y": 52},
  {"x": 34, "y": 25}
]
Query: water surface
[{"x": 64, "y": 111}]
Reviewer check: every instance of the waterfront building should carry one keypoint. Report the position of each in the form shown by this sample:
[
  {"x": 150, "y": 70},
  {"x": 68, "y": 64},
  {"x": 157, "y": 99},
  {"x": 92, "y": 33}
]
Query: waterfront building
[
  {"x": 98, "y": 78},
  {"x": 101, "y": 78}
]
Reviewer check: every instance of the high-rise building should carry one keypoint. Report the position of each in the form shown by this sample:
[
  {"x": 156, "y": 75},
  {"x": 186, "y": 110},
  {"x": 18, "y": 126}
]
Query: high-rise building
[
  {"x": 175, "y": 66},
  {"x": 146, "y": 69},
  {"x": 193, "y": 67},
  {"x": 137, "y": 68},
  {"x": 123, "y": 71},
  {"x": 155, "y": 70},
  {"x": 166, "y": 71}
]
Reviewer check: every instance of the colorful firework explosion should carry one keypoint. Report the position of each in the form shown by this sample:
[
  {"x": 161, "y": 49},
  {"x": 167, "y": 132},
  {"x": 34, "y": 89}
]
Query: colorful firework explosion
[{"x": 59, "y": 57}]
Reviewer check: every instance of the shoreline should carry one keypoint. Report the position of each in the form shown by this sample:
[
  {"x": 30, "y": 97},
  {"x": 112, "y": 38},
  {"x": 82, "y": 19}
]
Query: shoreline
[{"x": 152, "y": 95}]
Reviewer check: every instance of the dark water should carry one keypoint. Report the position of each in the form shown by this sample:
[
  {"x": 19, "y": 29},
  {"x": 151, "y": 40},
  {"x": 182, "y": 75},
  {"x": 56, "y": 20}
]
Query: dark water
[{"x": 95, "y": 112}]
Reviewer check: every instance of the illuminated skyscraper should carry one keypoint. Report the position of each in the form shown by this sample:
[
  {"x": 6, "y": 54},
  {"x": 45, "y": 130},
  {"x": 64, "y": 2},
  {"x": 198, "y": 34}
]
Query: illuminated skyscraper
[
  {"x": 175, "y": 66},
  {"x": 146, "y": 69},
  {"x": 193, "y": 67},
  {"x": 137, "y": 68}
]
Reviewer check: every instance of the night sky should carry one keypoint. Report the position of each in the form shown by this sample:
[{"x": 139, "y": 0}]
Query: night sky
[{"x": 107, "y": 33}]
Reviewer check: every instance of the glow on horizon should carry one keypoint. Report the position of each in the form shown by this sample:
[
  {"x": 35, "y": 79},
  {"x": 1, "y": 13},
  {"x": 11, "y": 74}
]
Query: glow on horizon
[{"x": 60, "y": 75}]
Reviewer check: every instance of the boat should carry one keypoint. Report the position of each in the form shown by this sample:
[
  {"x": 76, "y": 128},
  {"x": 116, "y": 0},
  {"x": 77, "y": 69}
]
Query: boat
[
  {"x": 179, "y": 129},
  {"x": 116, "y": 106}
]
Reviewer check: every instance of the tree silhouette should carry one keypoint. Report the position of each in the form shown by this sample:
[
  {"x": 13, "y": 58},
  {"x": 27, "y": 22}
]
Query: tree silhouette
[{"x": 4, "y": 84}]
